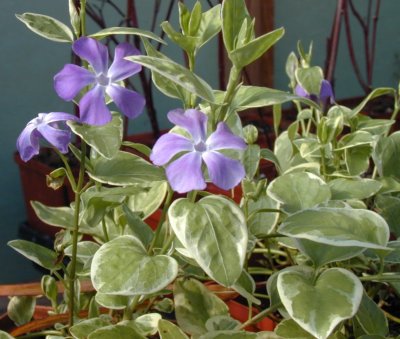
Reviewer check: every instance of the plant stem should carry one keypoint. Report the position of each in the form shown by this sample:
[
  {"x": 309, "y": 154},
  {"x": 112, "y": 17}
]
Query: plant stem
[
  {"x": 75, "y": 233},
  {"x": 129, "y": 310},
  {"x": 259, "y": 316},
  {"x": 40, "y": 334}
]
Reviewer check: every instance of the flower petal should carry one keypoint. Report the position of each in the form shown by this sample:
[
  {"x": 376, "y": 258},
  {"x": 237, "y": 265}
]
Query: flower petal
[
  {"x": 129, "y": 102},
  {"x": 301, "y": 92},
  {"x": 28, "y": 142},
  {"x": 58, "y": 116},
  {"x": 167, "y": 146},
  {"x": 194, "y": 121},
  {"x": 121, "y": 69},
  {"x": 93, "y": 109},
  {"x": 71, "y": 80},
  {"x": 326, "y": 92},
  {"x": 224, "y": 172},
  {"x": 59, "y": 138},
  {"x": 92, "y": 51},
  {"x": 184, "y": 174},
  {"x": 223, "y": 138}
]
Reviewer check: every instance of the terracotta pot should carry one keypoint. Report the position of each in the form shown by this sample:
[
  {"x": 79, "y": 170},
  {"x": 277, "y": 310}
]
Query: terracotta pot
[{"x": 241, "y": 312}]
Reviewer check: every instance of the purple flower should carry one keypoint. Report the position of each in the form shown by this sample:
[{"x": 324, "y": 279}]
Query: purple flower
[
  {"x": 50, "y": 126},
  {"x": 325, "y": 93},
  {"x": 103, "y": 80},
  {"x": 185, "y": 173}
]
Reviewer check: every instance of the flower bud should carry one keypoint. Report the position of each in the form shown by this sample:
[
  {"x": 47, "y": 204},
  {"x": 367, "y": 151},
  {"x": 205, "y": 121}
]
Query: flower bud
[{"x": 250, "y": 134}]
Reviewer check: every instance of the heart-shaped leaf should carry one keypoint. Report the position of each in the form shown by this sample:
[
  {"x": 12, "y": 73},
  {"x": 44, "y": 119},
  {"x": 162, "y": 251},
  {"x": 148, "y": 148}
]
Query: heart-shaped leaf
[
  {"x": 298, "y": 191},
  {"x": 125, "y": 169},
  {"x": 207, "y": 229},
  {"x": 123, "y": 267},
  {"x": 319, "y": 305},
  {"x": 105, "y": 139},
  {"x": 194, "y": 305},
  {"x": 343, "y": 227}
]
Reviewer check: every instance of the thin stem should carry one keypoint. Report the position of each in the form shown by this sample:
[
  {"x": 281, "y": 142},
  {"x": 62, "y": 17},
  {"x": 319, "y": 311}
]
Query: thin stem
[
  {"x": 75, "y": 233},
  {"x": 128, "y": 312},
  {"x": 259, "y": 316},
  {"x": 234, "y": 78},
  {"x": 391, "y": 316},
  {"x": 68, "y": 170},
  {"x": 167, "y": 203}
]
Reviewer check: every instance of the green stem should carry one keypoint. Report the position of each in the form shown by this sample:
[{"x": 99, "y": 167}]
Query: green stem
[
  {"x": 68, "y": 170},
  {"x": 259, "y": 316},
  {"x": 167, "y": 203},
  {"x": 128, "y": 312},
  {"x": 83, "y": 17},
  {"x": 104, "y": 227},
  {"x": 75, "y": 234},
  {"x": 234, "y": 77}
]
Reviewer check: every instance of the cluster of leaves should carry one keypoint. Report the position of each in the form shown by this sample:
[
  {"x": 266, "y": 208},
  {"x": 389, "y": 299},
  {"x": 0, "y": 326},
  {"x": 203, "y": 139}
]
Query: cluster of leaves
[{"x": 318, "y": 233}]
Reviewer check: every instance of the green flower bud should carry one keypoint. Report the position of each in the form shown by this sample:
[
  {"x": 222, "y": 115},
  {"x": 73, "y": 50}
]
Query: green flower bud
[{"x": 250, "y": 133}]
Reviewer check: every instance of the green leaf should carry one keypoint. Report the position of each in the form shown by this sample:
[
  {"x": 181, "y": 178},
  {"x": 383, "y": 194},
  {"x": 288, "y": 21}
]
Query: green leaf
[
  {"x": 253, "y": 96},
  {"x": 371, "y": 318},
  {"x": 299, "y": 190},
  {"x": 358, "y": 138},
  {"x": 126, "y": 31},
  {"x": 187, "y": 43},
  {"x": 147, "y": 324},
  {"x": 20, "y": 309},
  {"x": 166, "y": 86},
  {"x": 233, "y": 13},
  {"x": 4, "y": 335},
  {"x": 85, "y": 251},
  {"x": 375, "y": 126},
  {"x": 194, "y": 305},
  {"x": 74, "y": 17},
  {"x": 357, "y": 159},
  {"x": 177, "y": 74},
  {"x": 386, "y": 155},
  {"x": 310, "y": 79},
  {"x": 221, "y": 323},
  {"x": 112, "y": 301},
  {"x": 82, "y": 329},
  {"x": 208, "y": 229},
  {"x": 49, "y": 288},
  {"x": 116, "y": 331},
  {"x": 55, "y": 216},
  {"x": 168, "y": 330},
  {"x": 251, "y": 51},
  {"x": 251, "y": 160},
  {"x": 210, "y": 25},
  {"x": 105, "y": 139},
  {"x": 289, "y": 329},
  {"x": 40, "y": 255},
  {"x": 149, "y": 200},
  {"x": 319, "y": 305},
  {"x": 343, "y": 227},
  {"x": 343, "y": 189},
  {"x": 377, "y": 92},
  {"x": 389, "y": 208},
  {"x": 262, "y": 223},
  {"x": 137, "y": 274},
  {"x": 126, "y": 169},
  {"x": 136, "y": 227},
  {"x": 268, "y": 155},
  {"x": 47, "y": 27}
]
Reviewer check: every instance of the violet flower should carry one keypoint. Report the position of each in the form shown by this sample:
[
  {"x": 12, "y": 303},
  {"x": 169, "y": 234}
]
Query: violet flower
[
  {"x": 103, "y": 80},
  {"x": 50, "y": 126},
  {"x": 185, "y": 173},
  {"x": 325, "y": 93}
]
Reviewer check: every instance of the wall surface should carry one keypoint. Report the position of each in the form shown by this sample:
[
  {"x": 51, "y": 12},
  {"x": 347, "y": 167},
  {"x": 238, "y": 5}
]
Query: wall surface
[{"x": 28, "y": 64}]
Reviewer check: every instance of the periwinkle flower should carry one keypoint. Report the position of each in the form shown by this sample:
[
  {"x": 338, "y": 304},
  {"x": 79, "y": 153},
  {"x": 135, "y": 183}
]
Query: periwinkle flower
[
  {"x": 325, "y": 93},
  {"x": 102, "y": 80},
  {"x": 185, "y": 172},
  {"x": 52, "y": 127}
]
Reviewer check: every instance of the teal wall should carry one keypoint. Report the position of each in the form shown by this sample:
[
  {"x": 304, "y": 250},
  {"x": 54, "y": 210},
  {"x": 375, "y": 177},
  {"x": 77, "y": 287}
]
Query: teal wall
[{"x": 28, "y": 64}]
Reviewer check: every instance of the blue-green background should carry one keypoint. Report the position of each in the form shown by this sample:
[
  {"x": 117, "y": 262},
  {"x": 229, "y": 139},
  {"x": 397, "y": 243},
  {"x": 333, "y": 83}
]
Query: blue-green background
[{"x": 29, "y": 62}]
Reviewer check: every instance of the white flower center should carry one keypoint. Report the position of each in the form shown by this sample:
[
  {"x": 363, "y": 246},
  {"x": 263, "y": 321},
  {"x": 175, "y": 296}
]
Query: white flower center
[
  {"x": 103, "y": 80},
  {"x": 200, "y": 147}
]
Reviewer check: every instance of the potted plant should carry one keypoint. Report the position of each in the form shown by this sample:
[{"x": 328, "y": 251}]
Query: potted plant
[{"x": 314, "y": 248}]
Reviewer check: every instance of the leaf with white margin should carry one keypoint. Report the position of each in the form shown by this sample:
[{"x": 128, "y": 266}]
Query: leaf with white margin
[
  {"x": 320, "y": 305},
  {"x": 123, "y": 267},
  {"x": 298, "y": 191},
  {"x": 343, "y": 227},
  {"x": 169, "y": 330},
  {"x": 343, "y": 188},
  {"x": 214, "y": 232}
]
